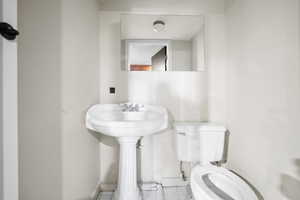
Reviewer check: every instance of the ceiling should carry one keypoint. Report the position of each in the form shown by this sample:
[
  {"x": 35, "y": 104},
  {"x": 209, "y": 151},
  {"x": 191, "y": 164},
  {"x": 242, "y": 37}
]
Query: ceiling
[{"x": 165, "y": 6}]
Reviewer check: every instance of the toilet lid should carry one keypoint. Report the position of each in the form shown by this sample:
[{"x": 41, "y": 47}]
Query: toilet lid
[{"x": 217, "y": 183}]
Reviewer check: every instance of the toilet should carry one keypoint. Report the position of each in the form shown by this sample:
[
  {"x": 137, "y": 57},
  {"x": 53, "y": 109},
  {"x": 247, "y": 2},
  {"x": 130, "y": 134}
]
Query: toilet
[{"x": 203, "y": 144}]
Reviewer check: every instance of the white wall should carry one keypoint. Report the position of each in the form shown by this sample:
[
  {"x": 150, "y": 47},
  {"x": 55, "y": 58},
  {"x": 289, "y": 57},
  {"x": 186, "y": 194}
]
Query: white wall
[
  {"x": 110, "y": 72},
  {"x": 40, "y": 100},
  {"x": 79, "y": 90},
  {"x": 185, "y": 94},
  {"x": 264, "y": 95},
  {"x": 216, "y": 61},
  {"x": 58, "y": 81}
]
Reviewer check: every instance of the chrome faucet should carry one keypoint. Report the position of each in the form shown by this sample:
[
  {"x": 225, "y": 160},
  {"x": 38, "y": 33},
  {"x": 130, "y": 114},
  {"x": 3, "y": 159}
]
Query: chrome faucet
[{"x": 131, "y": 107}]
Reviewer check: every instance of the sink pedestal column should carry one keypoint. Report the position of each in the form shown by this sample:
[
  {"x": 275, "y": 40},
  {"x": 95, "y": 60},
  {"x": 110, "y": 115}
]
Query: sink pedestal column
[{"x": 127, "y": 181}]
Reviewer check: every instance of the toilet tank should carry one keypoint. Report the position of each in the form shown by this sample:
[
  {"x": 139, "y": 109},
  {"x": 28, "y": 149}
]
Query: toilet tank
[{"x": 199, "y": 142}]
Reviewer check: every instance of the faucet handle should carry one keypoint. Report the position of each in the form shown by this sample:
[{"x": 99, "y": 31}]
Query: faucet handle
[{"x": 131, "y": 107}]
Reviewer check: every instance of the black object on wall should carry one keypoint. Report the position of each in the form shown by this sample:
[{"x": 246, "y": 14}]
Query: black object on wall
[
  {"x": 112, "y": 90},
  {"x": 7, "y": 31}
]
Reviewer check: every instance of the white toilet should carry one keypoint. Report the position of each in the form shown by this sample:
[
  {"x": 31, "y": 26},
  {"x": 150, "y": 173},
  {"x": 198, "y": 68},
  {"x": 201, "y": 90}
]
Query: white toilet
[{"x": 203, "y": 144}]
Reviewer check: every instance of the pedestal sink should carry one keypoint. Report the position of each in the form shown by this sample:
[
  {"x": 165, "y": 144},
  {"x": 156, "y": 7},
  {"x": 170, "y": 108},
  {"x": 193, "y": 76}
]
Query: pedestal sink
[{"x": 128, "y": 123}]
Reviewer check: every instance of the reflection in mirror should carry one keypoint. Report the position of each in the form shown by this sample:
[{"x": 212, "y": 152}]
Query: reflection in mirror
[
  {"x": 162, "y": 43},
  {"x": 147, "y": 55}
]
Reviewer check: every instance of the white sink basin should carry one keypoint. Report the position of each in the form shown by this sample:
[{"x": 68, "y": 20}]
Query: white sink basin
[
  {"x": 109, "y": 119},
  {"x": 128, "y": 128}
]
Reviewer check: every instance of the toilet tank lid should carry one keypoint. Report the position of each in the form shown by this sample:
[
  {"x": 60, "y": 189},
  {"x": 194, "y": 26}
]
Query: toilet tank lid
[{"x": 198, "y": 126}]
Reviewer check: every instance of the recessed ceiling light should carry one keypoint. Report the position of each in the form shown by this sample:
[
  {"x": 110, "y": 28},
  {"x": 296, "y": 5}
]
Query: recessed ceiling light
[{"x": 158, "y": 25}]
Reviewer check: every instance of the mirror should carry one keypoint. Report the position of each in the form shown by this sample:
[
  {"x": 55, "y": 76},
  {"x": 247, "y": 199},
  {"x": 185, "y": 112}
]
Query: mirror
[{"x": 162, "y": 43}]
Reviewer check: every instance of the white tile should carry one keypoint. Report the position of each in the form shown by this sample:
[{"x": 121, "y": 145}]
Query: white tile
[
  {"x": 183, "y": 193},
  {"x": 172, "y": 193},
  {"x": 105, "y": 196},
  {"x": 149, "y": 195}
]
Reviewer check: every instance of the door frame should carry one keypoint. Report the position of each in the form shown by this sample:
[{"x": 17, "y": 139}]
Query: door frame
[{"x": 9, "y": 85}]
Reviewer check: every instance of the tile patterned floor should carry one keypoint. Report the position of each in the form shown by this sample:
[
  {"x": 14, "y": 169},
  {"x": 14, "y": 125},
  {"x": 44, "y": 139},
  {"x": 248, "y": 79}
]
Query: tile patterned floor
[{"x": 171, "y": 193}]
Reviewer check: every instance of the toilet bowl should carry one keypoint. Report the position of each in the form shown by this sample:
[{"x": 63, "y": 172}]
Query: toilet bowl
[
  {"x": 218, "y": 183},
  {"x": 204, "y": 143}
]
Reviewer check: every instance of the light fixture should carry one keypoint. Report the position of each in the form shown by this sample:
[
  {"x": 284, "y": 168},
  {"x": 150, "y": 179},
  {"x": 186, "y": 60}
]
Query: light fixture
[{"x": 158, "y": 25}]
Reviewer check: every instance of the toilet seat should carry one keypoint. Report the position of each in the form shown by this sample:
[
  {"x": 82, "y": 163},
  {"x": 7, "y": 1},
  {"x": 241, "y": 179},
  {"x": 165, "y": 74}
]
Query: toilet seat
[{"x": 210, "y": 182}]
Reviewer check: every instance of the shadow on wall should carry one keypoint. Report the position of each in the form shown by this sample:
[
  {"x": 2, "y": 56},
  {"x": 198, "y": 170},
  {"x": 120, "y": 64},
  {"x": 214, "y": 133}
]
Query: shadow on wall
[
  {"x": 112, "y": 174},
  {"x": 94, "y": 134},
  {"x": 290, "y": 186}
]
